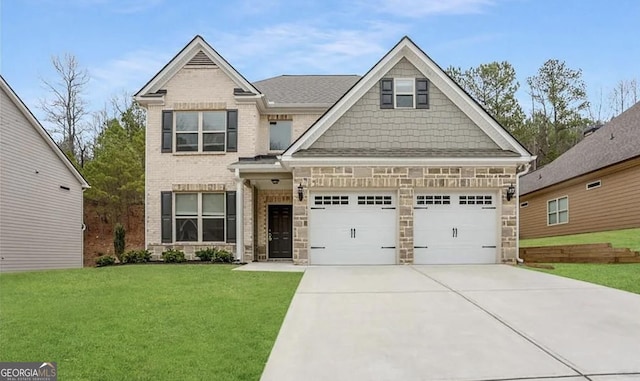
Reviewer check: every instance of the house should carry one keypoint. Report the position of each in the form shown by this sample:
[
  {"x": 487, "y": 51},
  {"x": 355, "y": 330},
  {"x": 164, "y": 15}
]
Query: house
[
  {"x": 40, "y": 194},
  {"x": 397, "y": 166},
  {"x": 591, "y": 187}
]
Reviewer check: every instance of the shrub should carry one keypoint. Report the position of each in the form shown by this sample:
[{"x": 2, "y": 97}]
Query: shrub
[
  {"x": 119, "y": 240},
  {"x": 173, "y": 256},
  {"x": 207, "y": 254},
  {"x": 223, "y": 256},
  {"x": 105, "y": 260},
  {"x": 136, "y": 256}
]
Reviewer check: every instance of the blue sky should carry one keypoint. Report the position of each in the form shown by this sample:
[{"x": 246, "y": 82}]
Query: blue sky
[{"x": 123, "y": 43}]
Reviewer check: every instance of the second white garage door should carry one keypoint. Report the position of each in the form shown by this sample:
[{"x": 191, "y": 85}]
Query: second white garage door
[
  {"x": 352, "y": 228},
  {"x": 455, "y": 228}
]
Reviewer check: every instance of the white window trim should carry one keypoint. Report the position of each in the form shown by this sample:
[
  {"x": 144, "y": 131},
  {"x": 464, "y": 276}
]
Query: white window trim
[
  {"x": 200, "y": 132},
  {"x": 557, "y": 212},
  {"x": 598, "y": 182},
  {"x": 199, "y": 219},
  {"x": 396, "y": 93}
]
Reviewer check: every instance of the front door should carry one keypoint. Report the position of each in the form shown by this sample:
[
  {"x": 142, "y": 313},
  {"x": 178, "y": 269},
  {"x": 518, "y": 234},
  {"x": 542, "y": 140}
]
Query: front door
[{"x": 279, "y": 231}]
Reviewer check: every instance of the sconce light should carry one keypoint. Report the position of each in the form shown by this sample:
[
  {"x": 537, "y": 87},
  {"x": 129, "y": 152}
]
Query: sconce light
[
  {"x": 511, "y": 191},
  {"x": 275, "y": 181},
  {"x": 300, "y": 192}
]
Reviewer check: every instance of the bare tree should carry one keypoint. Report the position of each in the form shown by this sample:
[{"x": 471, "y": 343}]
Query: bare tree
[
  {"x": 66, "y": 107},
  {"x": 624, "y": 95}
]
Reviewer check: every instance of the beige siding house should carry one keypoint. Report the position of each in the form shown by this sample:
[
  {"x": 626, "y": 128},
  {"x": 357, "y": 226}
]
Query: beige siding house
[
  {"x": 40, "y": 194},
  {"x": 398, "y": 166},
  {"x": 592, "y": 187}
]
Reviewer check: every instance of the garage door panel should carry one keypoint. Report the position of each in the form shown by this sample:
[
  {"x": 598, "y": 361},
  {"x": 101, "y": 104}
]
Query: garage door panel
[
  {"x": 353, "y": 229},
  {"x": 455, "y": 228}
]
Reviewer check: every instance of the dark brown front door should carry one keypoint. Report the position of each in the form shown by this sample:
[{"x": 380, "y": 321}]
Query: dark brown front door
[{"x": 279, "y": 231}]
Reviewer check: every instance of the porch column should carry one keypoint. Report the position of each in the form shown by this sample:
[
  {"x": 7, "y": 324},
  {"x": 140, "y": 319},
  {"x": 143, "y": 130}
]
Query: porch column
[{"x": 239, "y": 217}]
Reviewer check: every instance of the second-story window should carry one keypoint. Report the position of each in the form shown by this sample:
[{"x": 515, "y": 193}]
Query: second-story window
[
  {"x": 404, "y": 92},
  {"x": 279, "y": 135},
  {"x": 200, "y": 131}
]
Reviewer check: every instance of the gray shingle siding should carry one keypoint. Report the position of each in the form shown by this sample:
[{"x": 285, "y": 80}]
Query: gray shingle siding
[{"x": 442, "y": 126}]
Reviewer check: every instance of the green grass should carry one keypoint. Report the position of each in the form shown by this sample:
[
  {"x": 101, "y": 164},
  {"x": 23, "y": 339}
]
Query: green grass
[
  {"x": 143, "y": 322},
  {"x": 618, "y": 238},
  {"x": 623, "y": 277}
]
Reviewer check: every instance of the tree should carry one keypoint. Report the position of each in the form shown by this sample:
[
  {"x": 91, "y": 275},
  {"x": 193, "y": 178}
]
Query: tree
[
  {"x": 66, "y": 108},
  {"x": 625, "y": 94},
  {"x": 494, "y": 86},
  {"x": 559, "y": 100},
  {"x": 116, "y": 173}
]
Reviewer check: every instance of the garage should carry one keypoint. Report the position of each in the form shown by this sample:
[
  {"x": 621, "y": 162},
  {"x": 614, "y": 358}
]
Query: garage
[
  {"x": 455, "y": 228},
  {"x": 352, "y": 228}
]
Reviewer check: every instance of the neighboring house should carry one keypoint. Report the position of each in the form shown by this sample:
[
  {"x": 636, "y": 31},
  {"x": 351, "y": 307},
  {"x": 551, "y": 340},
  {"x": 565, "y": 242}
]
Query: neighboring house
[
  {"x": 397, "y": 166},
  {"x": 40, "y": 194},
  {"x": 594, "y": 186}
]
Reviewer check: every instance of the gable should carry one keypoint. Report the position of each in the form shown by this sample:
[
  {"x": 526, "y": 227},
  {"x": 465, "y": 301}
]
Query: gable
[
  {"x": 367, "y": 126},
  {"x": 463, "y": 114}
]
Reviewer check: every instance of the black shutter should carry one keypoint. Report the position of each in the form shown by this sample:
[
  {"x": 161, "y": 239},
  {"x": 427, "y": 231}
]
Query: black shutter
[
  {"x": 386, "y": 93},
  {"x": 232, "y": 131},
  {"x": 231, "y": 217},
  {"x": 166, "y": 215},
  {"x": 167, "y": 131},
  {"x": 422, "y": 93}
]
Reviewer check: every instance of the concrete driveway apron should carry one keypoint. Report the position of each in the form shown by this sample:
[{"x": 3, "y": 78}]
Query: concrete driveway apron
[{"x": 489, "y": 322}]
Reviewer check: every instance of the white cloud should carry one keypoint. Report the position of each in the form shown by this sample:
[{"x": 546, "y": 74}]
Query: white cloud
[{"x": 422, "y": 8}]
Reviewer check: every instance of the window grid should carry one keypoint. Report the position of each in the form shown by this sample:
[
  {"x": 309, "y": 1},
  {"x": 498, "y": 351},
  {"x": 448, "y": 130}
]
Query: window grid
[
  {"x": 331, "y": 200},
  {"x": 404, "y": 92},
  {"x": 476, "y": 200},
  {"x": 433, "y": 200},
  {"x": 374, "y": 200},
  {"x": 558, "y": 211},
  {"x": 199, "y": 225},
  {"x": 204, "y": 133}
]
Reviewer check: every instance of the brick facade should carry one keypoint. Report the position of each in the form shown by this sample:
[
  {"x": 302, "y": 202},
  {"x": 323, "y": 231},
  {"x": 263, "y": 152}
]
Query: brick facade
[{"x": 404, "y": 180}]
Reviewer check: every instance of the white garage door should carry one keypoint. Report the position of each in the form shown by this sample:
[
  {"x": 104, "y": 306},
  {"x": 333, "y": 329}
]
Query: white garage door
[
  {"x": 455, "y": 228},
  {"x": 352, "y": 229}
]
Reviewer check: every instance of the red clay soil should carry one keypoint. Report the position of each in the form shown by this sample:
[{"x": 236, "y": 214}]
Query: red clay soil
[{"x": 98, "y": 237}]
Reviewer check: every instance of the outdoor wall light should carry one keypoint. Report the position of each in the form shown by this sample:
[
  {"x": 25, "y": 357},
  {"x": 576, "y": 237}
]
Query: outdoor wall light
[
  {"x": 511, "y": 191},
  {"x": 300, "y": 192},
  {"x": 275, "y": 181}
]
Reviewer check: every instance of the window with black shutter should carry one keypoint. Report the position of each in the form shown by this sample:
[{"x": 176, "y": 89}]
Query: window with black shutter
[
  {"x": 231, "y": 217},
  {"x": 167, "y": 131},
  {"x": 232, "y": 131},
  {"x": 166, "y": 211},
  {"x": 422, "y": 93}
]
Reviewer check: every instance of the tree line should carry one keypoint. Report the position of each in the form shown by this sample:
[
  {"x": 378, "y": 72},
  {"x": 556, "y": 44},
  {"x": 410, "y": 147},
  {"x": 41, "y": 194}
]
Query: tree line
[{"x": 108, "y": 145}]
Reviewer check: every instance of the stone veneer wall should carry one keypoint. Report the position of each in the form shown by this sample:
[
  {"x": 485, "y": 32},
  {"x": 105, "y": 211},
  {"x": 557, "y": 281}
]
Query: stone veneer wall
[
  {"x": 265, "y": 198},
  {"x": 404, "y": 180}
]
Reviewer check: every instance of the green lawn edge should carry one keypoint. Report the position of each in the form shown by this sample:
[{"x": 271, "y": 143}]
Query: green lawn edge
[{"x": 629, "y": 238}]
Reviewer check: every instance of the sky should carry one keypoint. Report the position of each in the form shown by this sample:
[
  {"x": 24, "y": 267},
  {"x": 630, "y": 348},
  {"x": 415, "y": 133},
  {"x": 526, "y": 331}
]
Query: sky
[{"x": 123, "y": 43}]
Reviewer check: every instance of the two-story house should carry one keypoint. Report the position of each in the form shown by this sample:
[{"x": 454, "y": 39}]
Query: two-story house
[{"x": 397, "y": 166}]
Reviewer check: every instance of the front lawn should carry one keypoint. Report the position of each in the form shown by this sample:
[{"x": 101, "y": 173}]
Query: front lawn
[
  {"x": 618, "y": 238},
  {"x": 143, "y": 322},
  {"x": 624, "y": 277}
]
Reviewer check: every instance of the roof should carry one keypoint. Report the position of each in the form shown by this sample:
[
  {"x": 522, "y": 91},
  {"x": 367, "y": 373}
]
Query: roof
[
  {"x": 306, "y": 89},
  {"x": 615, "y": 142},
  {"x": 406, "y": 48},
  {"x": 410, "y": 153},
  {"x": 45, "y": 135}
]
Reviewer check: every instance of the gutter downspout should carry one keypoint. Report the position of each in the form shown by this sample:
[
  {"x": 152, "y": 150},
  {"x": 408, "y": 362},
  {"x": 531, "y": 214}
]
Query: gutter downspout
[
  {"x": 239, "y": 216},
  {"x": 526, "y": 170}
]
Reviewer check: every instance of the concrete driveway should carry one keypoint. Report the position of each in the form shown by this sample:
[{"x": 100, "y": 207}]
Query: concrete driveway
[{"x": 493, "y": 322}]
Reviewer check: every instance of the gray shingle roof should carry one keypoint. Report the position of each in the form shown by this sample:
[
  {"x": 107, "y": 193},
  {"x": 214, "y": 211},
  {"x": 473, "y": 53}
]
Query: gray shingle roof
[
  {"x": 306, "y": 89},
  {"x": 616, "y": 141},
  {"x": 410, "y": 153}
]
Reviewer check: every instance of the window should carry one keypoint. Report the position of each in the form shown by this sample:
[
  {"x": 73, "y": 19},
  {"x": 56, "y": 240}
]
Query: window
[
  {"x": 594, "y": 184},
  {"x": 279, "y": 135},
  {"x": 200, "y": 217},
  {"x": 558, "y": 211},
  {"x": 433, "y": 200},
  {"x": 374, "y": 200},
  {"x": 475, "y": 200},
  {"x": 199, "y": 131},
  {"x": 331, "y": 200},
  {"x": 404, "y": 92}
]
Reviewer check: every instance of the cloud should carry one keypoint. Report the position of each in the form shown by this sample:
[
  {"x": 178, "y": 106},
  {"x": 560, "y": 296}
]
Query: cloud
[
  {"x": 422, "y": 8},
  {"x": 304, "y": 48}
]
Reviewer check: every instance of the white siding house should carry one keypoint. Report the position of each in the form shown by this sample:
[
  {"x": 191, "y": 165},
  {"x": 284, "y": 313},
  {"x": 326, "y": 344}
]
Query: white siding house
[{"x": 40, "y": 194}]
